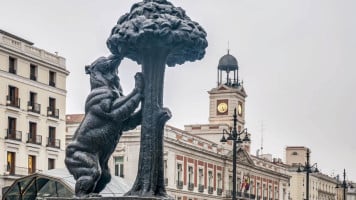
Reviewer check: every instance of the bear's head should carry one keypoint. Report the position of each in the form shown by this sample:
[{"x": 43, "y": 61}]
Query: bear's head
[{"x": 103, "y": 72}]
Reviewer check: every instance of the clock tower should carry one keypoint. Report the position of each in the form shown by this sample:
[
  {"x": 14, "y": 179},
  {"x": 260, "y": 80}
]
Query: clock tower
[{"x": 228, "y": 95}]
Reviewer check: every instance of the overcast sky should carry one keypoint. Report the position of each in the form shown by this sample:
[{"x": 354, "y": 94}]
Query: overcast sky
[{"x": 297, "y": 59}]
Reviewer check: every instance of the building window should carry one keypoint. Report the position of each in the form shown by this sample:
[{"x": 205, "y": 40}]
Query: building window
[
  {"x": 201, "y": 176},
  {"x": 12, "y": 65},
  {"x": 52, "y": 78},
  {"x": 51, "y": 163},
  {"x": 230, "y": 183},
  {"x": 295, "y": 153},
  {"x": 252, "y": 191},
  {"x": 179, "y": 176},
  {"x": 32, "y": 133},
  {"x": 31, "y": 164},
  {"x": 10, "y": 167},
  {"x": 219, "y": 184},
  {"x": 33, "y": 72},
  {"x": 51, "y": 110},
  {"x": 258, "y": 190},
  {"x": 52, "y": 141},
  {"x": 190, "y": 178},
  {"x": 165, "y": 167},
  {"x": 12, "y": 99},
  {"x": 119, "y": 166},
  {"x": 32, "y": 104},
  {"x": 210, "y": 182},
  {"x": 12, "y": 133},
  {"x": 219, "y": 180}
]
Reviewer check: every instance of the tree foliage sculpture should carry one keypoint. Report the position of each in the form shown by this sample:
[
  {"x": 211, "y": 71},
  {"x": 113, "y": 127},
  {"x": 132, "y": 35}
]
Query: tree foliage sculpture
[{"x": 155, "y": 33}]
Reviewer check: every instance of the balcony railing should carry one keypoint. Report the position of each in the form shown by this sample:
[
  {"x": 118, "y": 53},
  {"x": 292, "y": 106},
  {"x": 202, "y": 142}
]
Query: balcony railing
[
  {"x": 190, "y": 186},
  {"x": 228, "y": 193},
  {"x": 12, "y": 70},
  {"x": 219, "y": 191},
  {"x": 33, "y": 77},
  {"x": 18, "y": 171},
  {"x": 200, "y": 188},
  {"x": 180, "y": 184},
  {"x": 52, "y": 112},
  {"x": 33, "y": 107},
  {"x": 166, "y": 181},
  {"x": 52, "y": 83},
  {"x": 34, "y": 139},
  {"x": 245, "y": 195},
  {"x": 13, "y": 102},
  {"x": 13, "y": 135},
  {"x": 210, "y": 190},
  {"x": 55, "y": 143}
]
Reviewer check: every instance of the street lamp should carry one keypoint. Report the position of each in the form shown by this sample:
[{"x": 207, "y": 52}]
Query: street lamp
[
  {"x": 308, "y": 169},
  {"x": 344, "y": 185},
  {"x": 234, "y": 136}
]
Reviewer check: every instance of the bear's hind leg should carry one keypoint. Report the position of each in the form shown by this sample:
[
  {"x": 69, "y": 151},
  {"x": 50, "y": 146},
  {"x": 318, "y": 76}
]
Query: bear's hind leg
[
  {"x": 85, "y": 169},
  {"x": 104, "y": 178}
]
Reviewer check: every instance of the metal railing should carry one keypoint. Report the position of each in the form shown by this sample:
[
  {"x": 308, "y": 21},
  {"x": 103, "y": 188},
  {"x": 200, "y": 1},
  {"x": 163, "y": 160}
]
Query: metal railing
[
  {"x": 200, "y": 188},
  {"x": 166, "y": 181},
  {"x": 210, "y": 190},
  {"x": 34, "y": 107},
  {"x": 52, "y": 83},
  {"x": 12, "y": 70},
  {"x": 246, "y": 195},
  {"x": 12, "y": 101},
  {"x": 55, "y": 143},
  {"x": 219, "y": 191},
  {"x": 190, "y": 186},
  {"x": 33, "y": 77},
  {"x": 12, "y": 134},
  {"x": 18, "y": 171},
  {"x": 52, "y": 112},
  {"x": 34, "y": 138},
  {"x": 179, "y": 184}
]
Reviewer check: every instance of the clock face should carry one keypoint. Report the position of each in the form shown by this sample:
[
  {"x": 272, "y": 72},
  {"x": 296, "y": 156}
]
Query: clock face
[
  {"x": 239, "y": 109},
  {"x": 222, "y": 107}
]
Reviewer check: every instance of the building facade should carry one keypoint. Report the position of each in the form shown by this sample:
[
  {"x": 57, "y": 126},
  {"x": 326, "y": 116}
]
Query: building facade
[
  {"x": 321, "y": 186},
  {"x": 196, "y": 165},
  {"x": 32, "y": 108}
]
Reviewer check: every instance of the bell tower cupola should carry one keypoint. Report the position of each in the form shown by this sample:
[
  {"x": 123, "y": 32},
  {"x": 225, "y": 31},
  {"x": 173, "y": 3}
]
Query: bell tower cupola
[
  {"x": 228, "y": 94},
  {"x": 229, "y": 68}
]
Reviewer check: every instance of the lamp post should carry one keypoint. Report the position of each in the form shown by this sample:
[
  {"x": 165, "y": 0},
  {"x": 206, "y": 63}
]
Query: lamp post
[
  {"x": 344, "y": 185},
  {"x": 234, "y": 136},
  {"x": 307, "y": 168}
]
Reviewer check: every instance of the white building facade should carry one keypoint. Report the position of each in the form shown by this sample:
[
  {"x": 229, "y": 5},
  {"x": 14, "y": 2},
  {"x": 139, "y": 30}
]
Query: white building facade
[{"x": 32, "y": 108}]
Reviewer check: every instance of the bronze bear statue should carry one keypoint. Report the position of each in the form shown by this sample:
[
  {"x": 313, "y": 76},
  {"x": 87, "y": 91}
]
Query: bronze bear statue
[{"x": 107, "y": 113}]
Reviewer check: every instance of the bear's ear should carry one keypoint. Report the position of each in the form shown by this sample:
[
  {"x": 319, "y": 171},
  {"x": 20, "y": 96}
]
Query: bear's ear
[{"x": 87, "y": 69}]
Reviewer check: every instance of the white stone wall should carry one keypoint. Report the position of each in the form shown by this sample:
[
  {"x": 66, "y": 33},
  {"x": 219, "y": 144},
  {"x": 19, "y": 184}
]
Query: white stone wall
[{"x": 25, "y": 55}]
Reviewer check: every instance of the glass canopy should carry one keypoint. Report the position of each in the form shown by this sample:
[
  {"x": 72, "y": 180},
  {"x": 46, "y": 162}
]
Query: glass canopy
[{"x": 55, "y": 183}]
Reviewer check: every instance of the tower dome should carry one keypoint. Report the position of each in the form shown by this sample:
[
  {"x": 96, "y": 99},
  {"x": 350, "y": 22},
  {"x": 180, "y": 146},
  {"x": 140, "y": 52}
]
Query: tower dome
[{"x": 228, "y": 63}]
